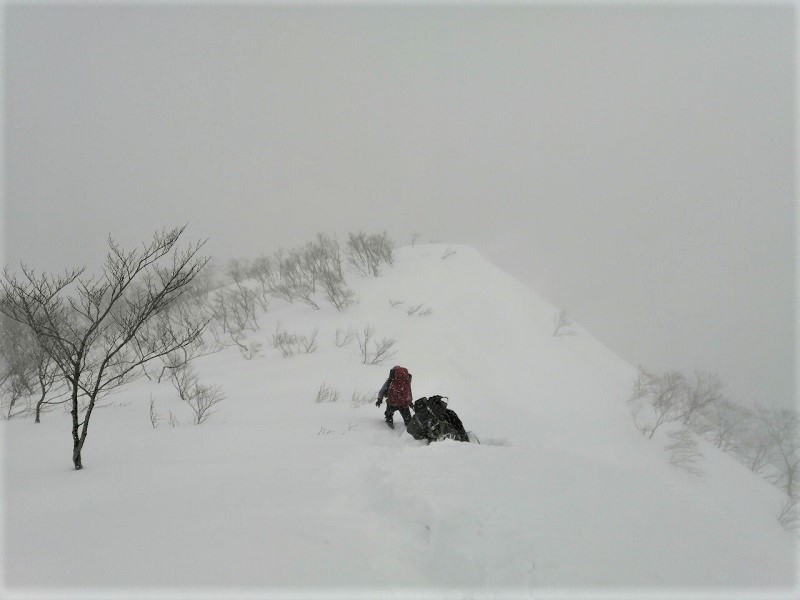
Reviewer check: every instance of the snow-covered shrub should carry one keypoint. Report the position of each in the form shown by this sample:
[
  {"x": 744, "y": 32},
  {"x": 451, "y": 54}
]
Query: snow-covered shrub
[
  {"x": 201, "y": 398},
  {"x": 345, "y": 337},
  {"x": 674, "y": 398},
  {"x": 18, "y": 351},
  {"x": 655, "y": 399},
  {"x": 249, "y": 350},
  {"x": 336, "y": 291},
  {"x": 362, "y": 398},
  {"x": 154, "y": 418},
  {"x": 684, "y": 451},
  {"x": 235, "y": 309},
  {"x": 326, "y": 394},
  {"x": 563, "y": 324},
  {"x": 419, "y": 310},
  {"x": 366, "y": 253},
  {"x": 378, "y": 351},
  {"x": 782, "y": 430},
  {"x": 789, "y": 517},
  {"x": 292, "y": 343}
]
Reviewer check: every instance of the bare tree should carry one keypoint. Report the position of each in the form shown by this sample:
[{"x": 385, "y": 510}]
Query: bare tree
[
  {"x": 298, "y": 274},
  {"x": 238, "y": 269},
  {"x": 781, "y": 428},
  {"x": 263, "y": 274},
  {"x": 234, "y": 309},
  {"x": 99, "y": 336},
  {"x": 336, "y": 291},
  {"x": 723, "y": 423},
  {"x": 366, "y": 253},
  {"x": 659, "y": 396},
  {"x": 684, "y": 451},
  {"x": 754, "y": 446},
  {"x": 703, "y": 391},
  {"x": 18, "y": 347},
  {"x": 295, "y": 282},
  {"x": 789, "y": 516}
]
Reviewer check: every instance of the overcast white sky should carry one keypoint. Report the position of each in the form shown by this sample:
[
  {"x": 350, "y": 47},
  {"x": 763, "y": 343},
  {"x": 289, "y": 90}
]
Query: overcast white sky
[{"x": 632, "y": 164}]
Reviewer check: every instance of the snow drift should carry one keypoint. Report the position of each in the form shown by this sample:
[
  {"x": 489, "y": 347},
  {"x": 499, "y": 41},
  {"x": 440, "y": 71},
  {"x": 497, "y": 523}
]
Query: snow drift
[{"x": 277, "y": 494}]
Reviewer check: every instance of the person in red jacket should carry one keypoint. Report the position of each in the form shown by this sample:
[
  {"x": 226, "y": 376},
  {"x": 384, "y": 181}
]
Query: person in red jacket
[{"x": 397, "y": 391}]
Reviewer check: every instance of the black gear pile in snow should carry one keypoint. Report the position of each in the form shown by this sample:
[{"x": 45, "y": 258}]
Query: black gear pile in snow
[{"x": 433, "y": 421}]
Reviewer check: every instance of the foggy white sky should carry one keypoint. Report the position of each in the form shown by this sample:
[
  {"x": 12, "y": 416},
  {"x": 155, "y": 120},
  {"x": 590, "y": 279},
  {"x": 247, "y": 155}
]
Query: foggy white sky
[{"x": 632, "y": 164}]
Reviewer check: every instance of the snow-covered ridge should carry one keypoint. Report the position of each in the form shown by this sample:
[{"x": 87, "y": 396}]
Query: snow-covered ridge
[{"x": 277, "y": 492}]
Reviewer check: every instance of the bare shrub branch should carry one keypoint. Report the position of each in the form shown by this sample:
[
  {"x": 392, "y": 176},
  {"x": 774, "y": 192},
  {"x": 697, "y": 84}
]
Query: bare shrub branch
[
  {"x": 359, "y": 399},
  {"x": 292, "y": 343},
  {"x": 419, "y": 310},
  {"x": 154, "y": 418},
  {"x": 200, "y": 398},
  {"x": 326, "y": 394},
  {"x": 345, "y": 337},
  {"x": 308, "y": 343},
  {"x": 378, "y": 351}
]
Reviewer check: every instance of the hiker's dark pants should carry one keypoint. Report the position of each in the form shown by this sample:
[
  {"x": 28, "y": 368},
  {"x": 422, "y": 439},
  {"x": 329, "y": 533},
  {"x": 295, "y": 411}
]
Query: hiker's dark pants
[{"x": 404, "y": 412}]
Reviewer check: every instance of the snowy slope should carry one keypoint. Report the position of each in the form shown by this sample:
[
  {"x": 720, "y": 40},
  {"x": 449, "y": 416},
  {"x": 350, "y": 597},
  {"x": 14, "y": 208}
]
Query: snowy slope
[{"x": 277, "y": 495}]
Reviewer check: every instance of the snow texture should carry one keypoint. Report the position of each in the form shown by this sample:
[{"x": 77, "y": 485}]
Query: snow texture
[{"x": 278, "y": 495}]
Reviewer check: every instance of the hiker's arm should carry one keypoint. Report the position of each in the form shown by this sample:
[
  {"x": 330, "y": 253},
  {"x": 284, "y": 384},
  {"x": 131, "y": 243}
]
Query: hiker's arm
[{"x": 384, "y": 390}]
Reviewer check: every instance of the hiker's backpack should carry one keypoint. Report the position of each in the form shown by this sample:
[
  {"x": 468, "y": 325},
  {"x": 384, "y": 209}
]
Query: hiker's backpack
[
  {"x": 433, "y": 421},
  {"x": 399, "y": 392}
]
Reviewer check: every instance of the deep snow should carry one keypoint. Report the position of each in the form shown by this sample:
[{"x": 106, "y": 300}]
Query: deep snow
[{"x": 277, "y": 495}]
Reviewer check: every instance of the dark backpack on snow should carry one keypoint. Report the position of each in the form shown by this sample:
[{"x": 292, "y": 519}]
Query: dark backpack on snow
[{"x": 433, "y": 421}]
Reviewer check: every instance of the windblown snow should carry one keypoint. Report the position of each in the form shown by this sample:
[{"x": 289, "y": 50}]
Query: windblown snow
[{"x": 278, "y": 495}]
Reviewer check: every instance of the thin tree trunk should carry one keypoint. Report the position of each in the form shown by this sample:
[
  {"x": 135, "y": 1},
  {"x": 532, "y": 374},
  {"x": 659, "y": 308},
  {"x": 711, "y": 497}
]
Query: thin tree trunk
[
  {"x": 79, "y": 441},
  {"x": 76, "y": 455},
  {"x": 76, "y": 442}
]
